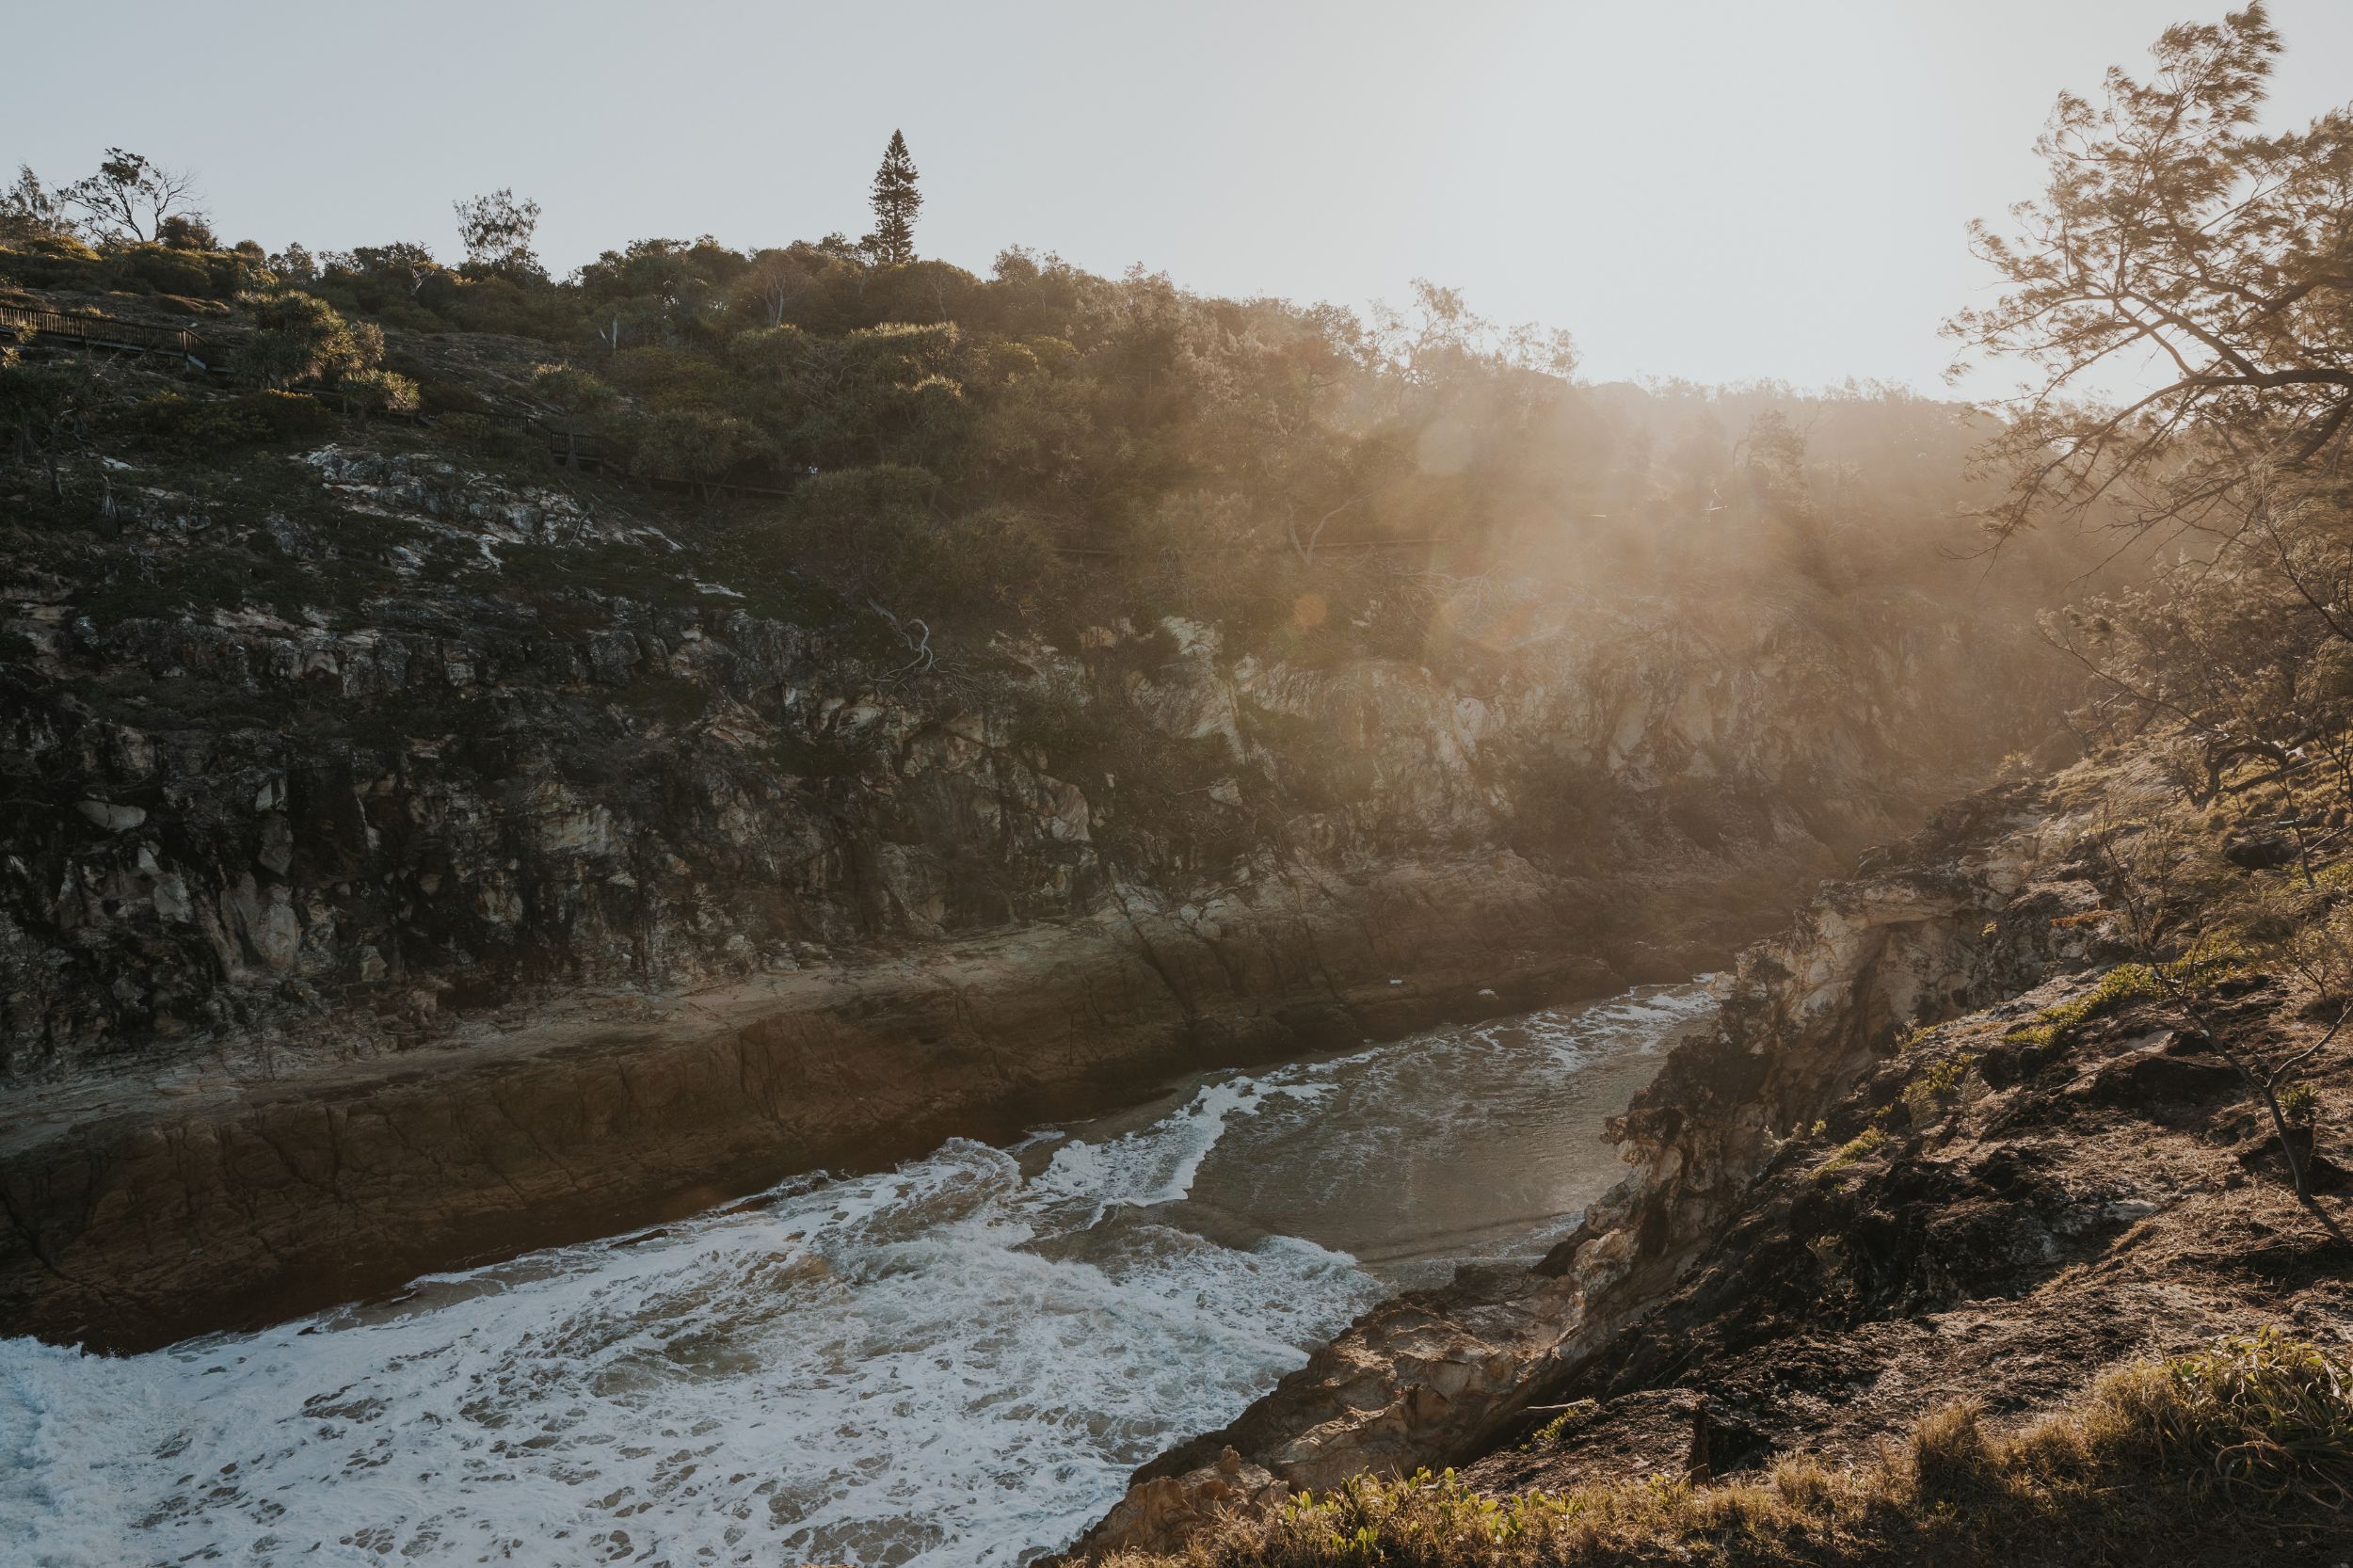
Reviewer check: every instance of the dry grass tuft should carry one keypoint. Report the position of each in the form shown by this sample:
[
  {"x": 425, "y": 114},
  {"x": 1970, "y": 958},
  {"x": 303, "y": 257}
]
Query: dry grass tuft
[{"x": 2225, "y": 1456}]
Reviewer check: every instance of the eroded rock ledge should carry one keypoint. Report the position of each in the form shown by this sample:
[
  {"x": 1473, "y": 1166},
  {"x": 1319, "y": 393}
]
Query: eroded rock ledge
[
  {"x": 139, "y": 1211},
  {"x": 1434, "y": 1378}
]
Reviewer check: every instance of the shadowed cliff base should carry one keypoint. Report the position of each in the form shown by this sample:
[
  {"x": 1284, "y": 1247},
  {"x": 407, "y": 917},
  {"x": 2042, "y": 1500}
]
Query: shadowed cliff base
[
  {"x": 1960, "y": 1135},
  {"x": 144, "y": 1210},
  {"x": 2242, "y": 1454}
]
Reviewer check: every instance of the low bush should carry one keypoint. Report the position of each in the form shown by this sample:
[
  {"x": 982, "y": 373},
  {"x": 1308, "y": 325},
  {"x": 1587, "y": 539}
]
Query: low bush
[
  {"x": 484, "y": 436},
  {"x": 2226, "y": 1455},
  {"x": 51, "y": 263},
  {"x": 180, "y": 427},
  {"x": 169, "y": 269},
  {"x": 1862, "y": 1148}
]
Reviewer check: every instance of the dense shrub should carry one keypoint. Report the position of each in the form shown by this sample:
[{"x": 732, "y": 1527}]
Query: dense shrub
[
  {"x": 63, "y": 262},
  {"x": 184, "y": 426},
  {"x": 2165, "y": 1461},
  {"x": 877, "y": 534},
  {"x": 300, "y": 337},
  {"x": 484, "y": 436},
  {"x": 51, "y": 263},
  {"x": 380, "y": 391},
  {"x": 692, "y": 443}
]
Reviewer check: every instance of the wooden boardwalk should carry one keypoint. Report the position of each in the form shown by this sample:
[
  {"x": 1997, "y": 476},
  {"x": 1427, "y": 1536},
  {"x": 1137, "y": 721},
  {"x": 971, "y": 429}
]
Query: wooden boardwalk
[{"x": 88, "y": 330}]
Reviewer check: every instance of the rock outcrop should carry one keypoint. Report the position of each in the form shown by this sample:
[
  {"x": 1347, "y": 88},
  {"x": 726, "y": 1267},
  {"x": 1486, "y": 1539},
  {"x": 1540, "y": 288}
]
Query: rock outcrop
[
  {"x": 213, "y": 1198},
  {"x": 1960, "y": 916},
  {"x": 353, "y": 792},
  {"x": 464, "y": 760}
]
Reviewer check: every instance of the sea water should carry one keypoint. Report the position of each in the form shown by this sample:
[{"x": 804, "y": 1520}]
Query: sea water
[{"x": 955, "y": 1362}]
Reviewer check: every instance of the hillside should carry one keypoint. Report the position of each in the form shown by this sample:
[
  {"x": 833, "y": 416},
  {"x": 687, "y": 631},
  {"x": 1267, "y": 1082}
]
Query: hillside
[
  {"x": 359, "y": 737},
  {"x": 1917, "y": 1253}
]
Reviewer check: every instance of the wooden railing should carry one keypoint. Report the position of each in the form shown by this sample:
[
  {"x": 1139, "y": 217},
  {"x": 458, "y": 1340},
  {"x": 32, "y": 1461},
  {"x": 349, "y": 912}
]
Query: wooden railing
[{"x": 90, "y": 329}]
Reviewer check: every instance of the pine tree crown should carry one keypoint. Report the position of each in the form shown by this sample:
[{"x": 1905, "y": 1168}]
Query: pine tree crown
[{"x": 896, "y": 201}]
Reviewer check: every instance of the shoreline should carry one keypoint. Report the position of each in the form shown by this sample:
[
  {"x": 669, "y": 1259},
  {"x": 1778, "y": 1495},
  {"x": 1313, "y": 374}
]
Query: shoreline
[{"x": 244, "y": 1203}]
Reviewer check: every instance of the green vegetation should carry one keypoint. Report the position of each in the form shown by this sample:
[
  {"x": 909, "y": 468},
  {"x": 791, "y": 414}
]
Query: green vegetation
[
  {"x": 299, "y": 337},
  {"x": 896, "y": 201},
  {"x": 1561, "y": 1427},
  {"x": 2118, "y": 988},
  {"x": 1934, "y": 1093},
  {"x": 2229, "y": 1454},
  {"x": 185, "y": 428},
  {"x": 1041, "y": 447},
  {"x": 1861, "y": 1147}
]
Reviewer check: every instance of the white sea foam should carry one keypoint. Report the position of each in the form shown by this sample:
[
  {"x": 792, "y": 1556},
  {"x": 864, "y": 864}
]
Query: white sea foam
[
  {"x": 944, "y": 1363},
  {"x": 1159, "y": 1163}
]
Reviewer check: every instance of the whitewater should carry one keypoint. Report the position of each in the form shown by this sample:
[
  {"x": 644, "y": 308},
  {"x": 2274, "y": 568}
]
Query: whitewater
[{"x": 955, "y": 1362}]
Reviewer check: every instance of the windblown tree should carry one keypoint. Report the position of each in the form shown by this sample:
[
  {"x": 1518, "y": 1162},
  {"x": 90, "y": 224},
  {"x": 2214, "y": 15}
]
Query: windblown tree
[
  {"x": 2179, "y": 250},
  {"x": 131, "y": 199},
  {"x": 2172, "y": 234},
  {"x": 896, "y": 203},
  {"x": 497, "y": 230}
]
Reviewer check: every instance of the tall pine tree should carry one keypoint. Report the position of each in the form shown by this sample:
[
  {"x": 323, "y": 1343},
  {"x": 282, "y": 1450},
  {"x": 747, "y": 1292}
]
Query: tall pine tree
[{"x": 896, "y": 203}]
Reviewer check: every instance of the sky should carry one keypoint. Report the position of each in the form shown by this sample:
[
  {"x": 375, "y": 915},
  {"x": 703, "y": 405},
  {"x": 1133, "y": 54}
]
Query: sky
[{"x": 1716, "y": 190}]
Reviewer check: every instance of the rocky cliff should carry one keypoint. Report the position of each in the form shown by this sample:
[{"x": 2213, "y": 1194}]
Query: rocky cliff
[
  {"x": 347, "y": 776},
  {"x": 1927, "y": 1155}
]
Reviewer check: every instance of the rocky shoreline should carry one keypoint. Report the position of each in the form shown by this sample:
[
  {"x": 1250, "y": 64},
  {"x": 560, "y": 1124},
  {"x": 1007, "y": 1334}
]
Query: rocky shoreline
[
  {"x": 1956, "y": 920},
  {"x": 143, "y": 1209}
]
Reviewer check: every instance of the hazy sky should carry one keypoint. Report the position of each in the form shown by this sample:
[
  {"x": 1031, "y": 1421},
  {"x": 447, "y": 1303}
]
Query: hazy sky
[{"x": 1707, "y": 188}]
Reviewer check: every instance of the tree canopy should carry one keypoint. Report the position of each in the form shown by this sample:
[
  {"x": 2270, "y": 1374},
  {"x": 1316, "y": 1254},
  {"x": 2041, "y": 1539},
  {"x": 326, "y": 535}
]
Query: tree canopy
[
  {"x": 896, "y": 201},
  {"x": 2172, "y": 232}
]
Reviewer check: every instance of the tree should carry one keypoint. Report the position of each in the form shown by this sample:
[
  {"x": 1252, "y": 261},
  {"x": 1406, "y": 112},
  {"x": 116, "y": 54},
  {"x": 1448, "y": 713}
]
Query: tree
[
  {"x": 187, "y": 231},
  {"x": 2170, "y": 230},
  {"x": 299, "y": 337},
  {"x": 131, "y": 197},
  {"x": 295, "y": 264},
  {"x": 30, "y": 211},
  {"x": 496, "y": 231},
  {"x": 2174, "y": 234},
  {"x": 896, "y": 203},
  {"x": 779, "y": 278},
  {"x": 403, "y": 264},
  {"x": 46, "y": 406}
]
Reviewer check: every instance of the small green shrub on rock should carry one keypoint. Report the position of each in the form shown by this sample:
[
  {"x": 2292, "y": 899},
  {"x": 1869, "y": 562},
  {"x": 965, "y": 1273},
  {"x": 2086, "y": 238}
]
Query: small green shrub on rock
[
  {"x": 2203, "y": 1458},
  {"x": 180, "y": 427}
]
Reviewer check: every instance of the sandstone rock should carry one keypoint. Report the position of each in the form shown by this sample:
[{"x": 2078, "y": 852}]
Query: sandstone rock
[
  {"x": 114, "y": 819},
  {"x": 1433, "y": 1376},
  {"x": 1160, "y": 1515}
]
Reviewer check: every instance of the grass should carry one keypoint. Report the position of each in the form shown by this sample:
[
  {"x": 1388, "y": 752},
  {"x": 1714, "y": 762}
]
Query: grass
[
  {"x": 1561, "y": 1427},
  {"x": 1931, "y": 1093},
  {"x": 2206, "y": 965},
  {"x": 1865, "y": 1144},
  {"x": 2240, "y": 1453},
  {"x": 2117, "y": 989}
]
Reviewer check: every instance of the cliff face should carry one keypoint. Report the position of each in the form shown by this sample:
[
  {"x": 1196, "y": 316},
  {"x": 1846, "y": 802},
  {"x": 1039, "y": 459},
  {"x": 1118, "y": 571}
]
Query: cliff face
[
  {"x": 357, "y": 786},
  {"x": 219, "y": 1199},
  {"x": 1936, "y": 1149},
  {"x": 1961, "y": 917},
  {"x": 421, "y": 783}
]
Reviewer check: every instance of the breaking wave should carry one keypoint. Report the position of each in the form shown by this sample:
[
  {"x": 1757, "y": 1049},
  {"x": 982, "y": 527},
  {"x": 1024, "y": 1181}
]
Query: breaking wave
[{"x": 955, "y": 1362}]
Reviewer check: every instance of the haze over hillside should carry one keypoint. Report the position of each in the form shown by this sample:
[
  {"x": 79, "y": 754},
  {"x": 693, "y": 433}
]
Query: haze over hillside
[
  {"x": 805, "y": 897},
  {"x": 1713, "y": 191}
]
